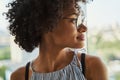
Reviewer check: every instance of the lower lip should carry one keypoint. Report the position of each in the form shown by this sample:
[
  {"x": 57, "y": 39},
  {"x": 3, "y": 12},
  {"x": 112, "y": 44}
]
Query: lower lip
[{"x": 81, "y": 38}]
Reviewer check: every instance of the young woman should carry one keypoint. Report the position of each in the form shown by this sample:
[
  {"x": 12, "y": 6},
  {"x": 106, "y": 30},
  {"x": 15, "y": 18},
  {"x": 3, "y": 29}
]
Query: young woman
[{"x": 52, "y": 26}]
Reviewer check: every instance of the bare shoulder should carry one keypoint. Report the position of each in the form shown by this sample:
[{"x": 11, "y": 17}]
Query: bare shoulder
[
  {"x": 90, "y": 59},
  {"x": 95, "y": 68},
  {"x": 18, "y": 74}
]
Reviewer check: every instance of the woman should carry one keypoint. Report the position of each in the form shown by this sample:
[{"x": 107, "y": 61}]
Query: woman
[{"x": 52, "y": 26}]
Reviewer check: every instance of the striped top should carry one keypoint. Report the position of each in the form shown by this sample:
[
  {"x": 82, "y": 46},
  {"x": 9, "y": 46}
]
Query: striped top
[{"x": 71, "y": 72}]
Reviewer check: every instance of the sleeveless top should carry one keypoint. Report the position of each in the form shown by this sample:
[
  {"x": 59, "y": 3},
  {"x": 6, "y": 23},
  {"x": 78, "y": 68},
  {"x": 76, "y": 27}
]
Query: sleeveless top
[{"x": 70, "y": 72}]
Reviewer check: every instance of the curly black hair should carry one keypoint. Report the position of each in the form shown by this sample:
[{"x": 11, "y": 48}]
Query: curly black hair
[{"x": 30, "y": 19}]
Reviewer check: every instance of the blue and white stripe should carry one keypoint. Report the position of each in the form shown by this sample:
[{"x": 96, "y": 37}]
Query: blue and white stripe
[{"x": 70, "y": 72}]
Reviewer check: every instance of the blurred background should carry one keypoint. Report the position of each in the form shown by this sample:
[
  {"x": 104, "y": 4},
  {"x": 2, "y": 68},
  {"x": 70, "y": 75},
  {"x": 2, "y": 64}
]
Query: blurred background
[
  {"x": 103, "y": 20},
  {"x": 103, "y": 40}
]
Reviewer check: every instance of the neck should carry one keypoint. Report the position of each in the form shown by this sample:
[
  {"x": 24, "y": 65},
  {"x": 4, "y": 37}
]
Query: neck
[
  {"x": 51, "y": 56},
  {"x": 51, "y": 53}
]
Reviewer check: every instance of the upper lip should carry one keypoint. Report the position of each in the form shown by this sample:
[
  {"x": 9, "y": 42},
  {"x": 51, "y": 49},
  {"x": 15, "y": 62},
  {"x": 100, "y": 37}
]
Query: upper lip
[{"x": 81, "y": 36}]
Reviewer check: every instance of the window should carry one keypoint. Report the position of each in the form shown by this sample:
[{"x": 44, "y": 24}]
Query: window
[{"x": 103, "y": 22}]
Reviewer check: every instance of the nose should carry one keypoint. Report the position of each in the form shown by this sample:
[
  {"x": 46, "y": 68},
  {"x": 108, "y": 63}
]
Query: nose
[{"x": 82, "y": 28}]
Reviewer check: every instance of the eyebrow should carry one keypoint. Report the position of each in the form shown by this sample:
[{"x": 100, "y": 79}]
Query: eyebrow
[{"x": 77, "y": 14}]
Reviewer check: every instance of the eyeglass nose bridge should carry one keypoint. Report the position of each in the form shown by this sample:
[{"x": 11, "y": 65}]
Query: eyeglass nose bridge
[{"x": 80, "y": 21}]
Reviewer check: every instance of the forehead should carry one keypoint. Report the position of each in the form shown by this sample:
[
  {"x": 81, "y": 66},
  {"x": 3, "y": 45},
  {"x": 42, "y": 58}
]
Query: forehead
[{"x": 71, "y": 11}]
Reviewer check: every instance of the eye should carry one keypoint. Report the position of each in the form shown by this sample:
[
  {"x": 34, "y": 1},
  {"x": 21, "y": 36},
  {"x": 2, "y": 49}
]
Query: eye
[{"x": 73, "y": 20}]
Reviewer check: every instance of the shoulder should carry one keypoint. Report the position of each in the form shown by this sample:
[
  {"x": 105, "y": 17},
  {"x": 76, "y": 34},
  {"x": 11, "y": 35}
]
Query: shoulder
[
  {"x": 18, "y": 74},
  {"x": 95, "y": 68},
  {"x": 92, "y": 60}
]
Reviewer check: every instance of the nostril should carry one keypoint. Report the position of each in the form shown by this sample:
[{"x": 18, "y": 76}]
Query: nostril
[{"x": 82, "y": 28}]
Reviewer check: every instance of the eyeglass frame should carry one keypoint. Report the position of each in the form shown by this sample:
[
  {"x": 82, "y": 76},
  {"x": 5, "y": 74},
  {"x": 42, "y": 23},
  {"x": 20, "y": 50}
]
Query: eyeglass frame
[{"x": 77, "y": 25}]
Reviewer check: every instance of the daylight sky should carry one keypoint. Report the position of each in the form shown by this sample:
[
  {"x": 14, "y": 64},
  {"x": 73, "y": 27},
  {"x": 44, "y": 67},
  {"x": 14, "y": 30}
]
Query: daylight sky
[
  {"x": 99, "y": 12},
  {"x": 103, "y": 12},
  {"x": 3, "y": 22}
]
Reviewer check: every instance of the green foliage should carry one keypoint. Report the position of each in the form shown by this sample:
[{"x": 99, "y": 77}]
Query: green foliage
[
  {"x": 110, "y": 56},
  {"x": 109, "y": 45},
  {"x": 108, "y": 50},
  {"x": 2, "y": 71},
  {"x": 4, "y": 53},
  {"x": 117, "y": 76}
]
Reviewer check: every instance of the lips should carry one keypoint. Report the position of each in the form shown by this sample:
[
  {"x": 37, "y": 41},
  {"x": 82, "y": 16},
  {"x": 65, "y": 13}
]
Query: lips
[{"x": 81, "y": 37}]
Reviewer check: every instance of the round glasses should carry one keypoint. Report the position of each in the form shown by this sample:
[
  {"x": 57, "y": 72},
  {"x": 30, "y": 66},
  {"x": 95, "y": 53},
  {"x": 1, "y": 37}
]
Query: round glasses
[{"x": 76, "y": 21}]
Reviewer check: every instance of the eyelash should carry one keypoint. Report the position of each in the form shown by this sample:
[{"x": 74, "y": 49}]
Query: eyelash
[{"x": 73, "y": 20}]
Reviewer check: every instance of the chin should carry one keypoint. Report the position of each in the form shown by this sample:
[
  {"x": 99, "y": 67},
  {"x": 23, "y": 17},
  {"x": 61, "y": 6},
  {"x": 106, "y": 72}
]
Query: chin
[{"x": 78, "y": 45}]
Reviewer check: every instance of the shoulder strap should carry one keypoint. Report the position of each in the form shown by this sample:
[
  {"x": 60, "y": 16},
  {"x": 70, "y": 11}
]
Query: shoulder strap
[
  {"x": 27, "y": 71},
  {"x": 83, "y": 63}
]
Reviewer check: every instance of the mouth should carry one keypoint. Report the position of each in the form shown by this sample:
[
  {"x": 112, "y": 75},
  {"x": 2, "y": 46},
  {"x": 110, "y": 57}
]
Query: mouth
[{"x": 81, "y": 37}]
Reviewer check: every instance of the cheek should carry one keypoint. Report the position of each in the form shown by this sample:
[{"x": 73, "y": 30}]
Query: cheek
[
  {"x": 65, "y": 38},
  {"x": 68, "y": 37},
  {"x": 69, "y": 30},
  {"x": 65, "y": 33},
  {"x": 69, "y": 34}
]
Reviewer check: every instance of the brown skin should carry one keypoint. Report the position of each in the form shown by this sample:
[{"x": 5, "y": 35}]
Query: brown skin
[
  {"x": 54, "y": 54},
  {"x": 95, "y": 70}
]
